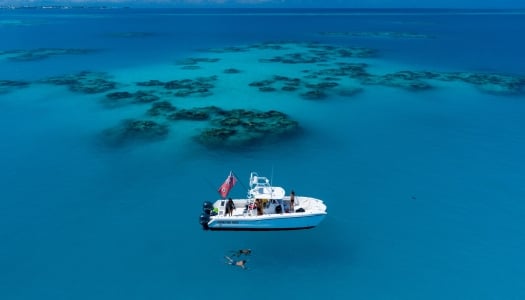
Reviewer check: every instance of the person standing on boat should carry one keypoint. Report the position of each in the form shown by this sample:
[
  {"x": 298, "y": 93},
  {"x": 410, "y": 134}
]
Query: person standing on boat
[
  {"x": 259, "y": 206},
  {"x": 230, "y": 206},
  {"x": 292, "y": 201}
]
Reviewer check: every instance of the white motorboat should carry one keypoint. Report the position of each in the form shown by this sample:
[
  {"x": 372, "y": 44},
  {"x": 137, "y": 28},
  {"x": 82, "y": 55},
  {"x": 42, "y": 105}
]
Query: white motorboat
[{"x": 265, "y": 208}]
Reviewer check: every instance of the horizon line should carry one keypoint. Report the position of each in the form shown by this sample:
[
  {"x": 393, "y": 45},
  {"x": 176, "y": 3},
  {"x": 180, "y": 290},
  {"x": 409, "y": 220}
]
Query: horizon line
[{"x": 250, "y": 7}]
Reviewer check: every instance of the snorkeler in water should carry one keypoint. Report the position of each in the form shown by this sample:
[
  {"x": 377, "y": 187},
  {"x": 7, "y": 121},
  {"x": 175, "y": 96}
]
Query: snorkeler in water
[
  {"x": 238, "y": 263},
  {"x": 241, "y": 252}
]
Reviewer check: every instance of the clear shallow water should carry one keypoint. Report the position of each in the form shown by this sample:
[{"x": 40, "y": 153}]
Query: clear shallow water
[{"x": 424, "y": 189}]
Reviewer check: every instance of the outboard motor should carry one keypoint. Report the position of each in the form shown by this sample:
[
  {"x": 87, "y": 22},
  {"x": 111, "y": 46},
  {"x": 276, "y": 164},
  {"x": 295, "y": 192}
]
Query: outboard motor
[
  {"x": 203, "y": 220},
  {"x": 207, "y": 207},
  {"x": 207, "y": 211}
]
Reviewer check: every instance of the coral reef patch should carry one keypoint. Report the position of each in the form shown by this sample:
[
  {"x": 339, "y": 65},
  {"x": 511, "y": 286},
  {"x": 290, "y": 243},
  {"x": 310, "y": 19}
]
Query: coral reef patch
[
  {"x": 200, "y": 86},
  {"x": 490, "y": 83},
  {"x": 41, "y": 53},
  {"x": 193, "y": 63},
  {"x": 122, "y": 98},
  {"x": 397, "y": 80},
  {"x": 228, "y": 128},
  {"x": 85, "y": 82},
  {"x": 231, "y": 71},
  {"x": 318, "y": 53},
  {"x": 377, "y": 34},
  {"x": 310, "y": 71},
  {"x": 7, "y": 86},
  {"x": 417, "y": 80},
  {"x": 307, "y": 89},
  {"x": 239, "y": 127},
  {"x": 194, "y": 114},
  {"x": 196, "y": 60},
  {"x": 161, "y": 108},
  {"x": 130, "y": 131},
  {"x": 330, "y": 64}
]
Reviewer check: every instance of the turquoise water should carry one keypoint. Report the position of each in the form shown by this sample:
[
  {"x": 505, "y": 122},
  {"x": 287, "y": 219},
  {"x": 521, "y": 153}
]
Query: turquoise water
[{"x": 424, "y": 188}]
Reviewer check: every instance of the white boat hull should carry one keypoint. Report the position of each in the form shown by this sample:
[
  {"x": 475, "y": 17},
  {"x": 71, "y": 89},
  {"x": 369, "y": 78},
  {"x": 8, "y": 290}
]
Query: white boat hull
[
  {"x": 289, "y": 221},
  {"x": 266, "y": 208}
]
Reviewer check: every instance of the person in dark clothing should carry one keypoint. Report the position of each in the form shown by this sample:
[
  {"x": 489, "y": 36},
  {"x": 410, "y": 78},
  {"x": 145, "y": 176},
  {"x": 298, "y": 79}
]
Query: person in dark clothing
[
  {"x": 260, "y": 208},
  {"x": 292, "y": 201},
  {"x": 230, "y": 207},
  {"x": 242, "y": 251}
]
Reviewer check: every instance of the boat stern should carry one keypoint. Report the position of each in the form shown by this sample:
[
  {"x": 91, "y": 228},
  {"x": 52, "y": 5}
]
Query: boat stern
[{"x": 207, "y": 212}]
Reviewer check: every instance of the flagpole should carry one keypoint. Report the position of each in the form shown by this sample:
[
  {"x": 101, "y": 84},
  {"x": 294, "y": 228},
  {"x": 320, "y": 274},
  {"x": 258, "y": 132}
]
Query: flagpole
[{"x": 238, "y": 180}]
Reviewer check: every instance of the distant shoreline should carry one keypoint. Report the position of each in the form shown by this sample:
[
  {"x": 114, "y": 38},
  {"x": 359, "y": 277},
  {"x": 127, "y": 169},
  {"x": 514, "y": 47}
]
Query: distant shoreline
[{"x": 266, "y": 10}]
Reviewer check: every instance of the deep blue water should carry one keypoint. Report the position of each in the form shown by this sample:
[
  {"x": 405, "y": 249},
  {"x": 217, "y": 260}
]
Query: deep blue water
[{"x": 424, "y": 189}]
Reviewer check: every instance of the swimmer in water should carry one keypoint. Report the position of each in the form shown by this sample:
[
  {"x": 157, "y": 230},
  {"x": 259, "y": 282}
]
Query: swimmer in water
[
  {"x": 242, "y": 251},
  {"x": 238, "y": 263}
]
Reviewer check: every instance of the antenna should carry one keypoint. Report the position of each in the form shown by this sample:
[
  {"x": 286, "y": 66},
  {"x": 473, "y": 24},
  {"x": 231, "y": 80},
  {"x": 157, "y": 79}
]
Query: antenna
[{"x": 271, "y": 178}]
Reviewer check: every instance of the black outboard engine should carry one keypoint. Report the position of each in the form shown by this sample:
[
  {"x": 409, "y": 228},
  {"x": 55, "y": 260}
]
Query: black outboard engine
[
  {"x": 203, "y": 220},
  {"x": 207, "y": 207},
  {"x": 207, "y": 211}
]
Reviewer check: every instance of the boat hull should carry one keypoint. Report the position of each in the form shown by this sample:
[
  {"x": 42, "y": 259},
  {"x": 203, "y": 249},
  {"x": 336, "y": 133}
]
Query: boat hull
[
  {"x": 293, "y": 221},
  {"x": 266, "y": 208}
]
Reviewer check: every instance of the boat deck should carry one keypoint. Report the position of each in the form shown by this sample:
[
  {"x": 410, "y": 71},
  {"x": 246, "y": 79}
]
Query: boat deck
[{"x": 244, "y": 207}]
